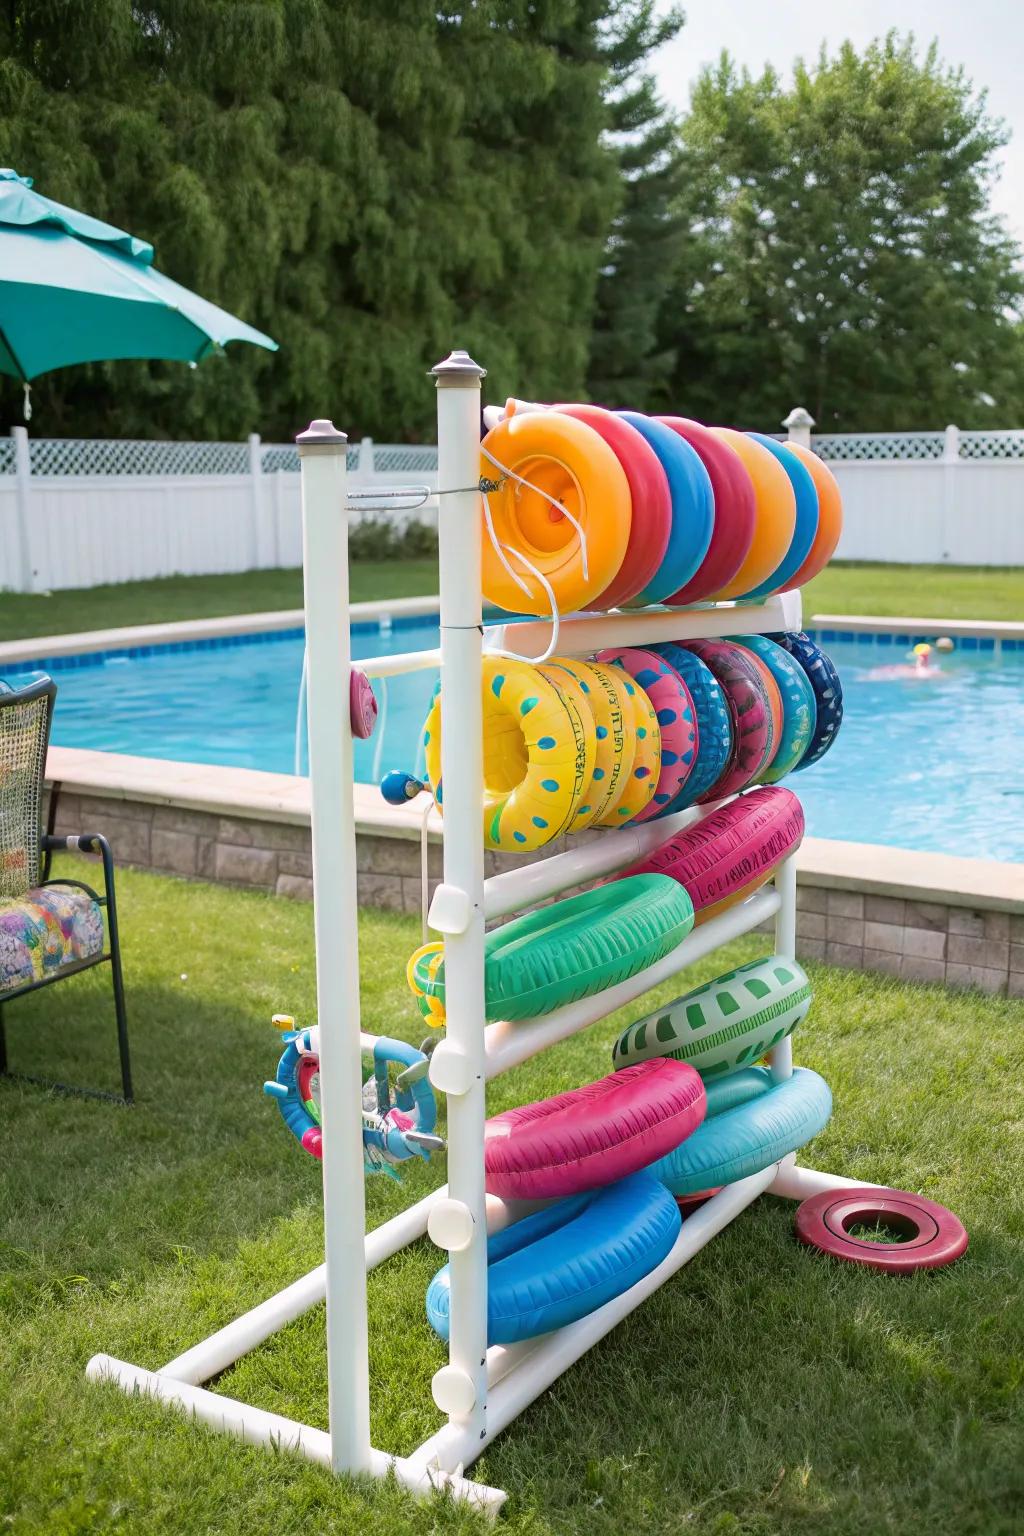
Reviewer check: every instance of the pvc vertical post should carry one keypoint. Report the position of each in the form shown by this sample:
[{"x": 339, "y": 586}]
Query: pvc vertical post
[
  {"x": 325, "y": 563},
  {"x": 780, "y": 1059},
  {"x": 461, "y": 1388},
  {"x": 256, "y": 500}
]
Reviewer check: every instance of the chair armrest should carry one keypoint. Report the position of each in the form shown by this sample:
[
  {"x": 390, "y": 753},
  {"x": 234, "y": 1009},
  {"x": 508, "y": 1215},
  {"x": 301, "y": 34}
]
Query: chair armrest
[{"x": 82, "y": 842}]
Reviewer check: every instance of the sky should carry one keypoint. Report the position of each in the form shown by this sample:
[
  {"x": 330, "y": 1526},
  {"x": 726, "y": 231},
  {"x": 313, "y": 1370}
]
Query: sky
[{"x": 985, "y": 36}]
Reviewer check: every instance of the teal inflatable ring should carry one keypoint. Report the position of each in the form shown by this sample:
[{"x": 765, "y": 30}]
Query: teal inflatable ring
[
  {"x": 579, "y": 946},
  {"x": 799, "y": 710},
  {"x": 749, "y": 1123},
  {"x": 724, "y": 1025}
]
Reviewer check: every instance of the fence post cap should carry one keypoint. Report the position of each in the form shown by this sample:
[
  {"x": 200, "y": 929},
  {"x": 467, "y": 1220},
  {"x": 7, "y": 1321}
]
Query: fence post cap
[{"x": 798, "y": 417}]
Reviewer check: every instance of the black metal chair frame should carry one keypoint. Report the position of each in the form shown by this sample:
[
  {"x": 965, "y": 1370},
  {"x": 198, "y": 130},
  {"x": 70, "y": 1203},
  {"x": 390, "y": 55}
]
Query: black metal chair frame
[{"x": 85, "y": 842}]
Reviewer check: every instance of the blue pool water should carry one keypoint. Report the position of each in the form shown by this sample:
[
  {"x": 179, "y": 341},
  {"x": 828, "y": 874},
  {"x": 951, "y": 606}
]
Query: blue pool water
[{"x": 930, "y": 765}]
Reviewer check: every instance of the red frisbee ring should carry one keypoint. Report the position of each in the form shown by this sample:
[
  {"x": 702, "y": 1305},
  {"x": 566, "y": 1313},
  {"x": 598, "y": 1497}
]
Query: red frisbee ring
[
  {"x": 934, "y": 1236},
  {"x": 652, "y": 502},
  {"x": 690, "y": 1203}
]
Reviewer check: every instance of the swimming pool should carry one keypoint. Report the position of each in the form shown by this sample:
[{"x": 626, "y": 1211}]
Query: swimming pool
[{"x": 930, "y": 765}]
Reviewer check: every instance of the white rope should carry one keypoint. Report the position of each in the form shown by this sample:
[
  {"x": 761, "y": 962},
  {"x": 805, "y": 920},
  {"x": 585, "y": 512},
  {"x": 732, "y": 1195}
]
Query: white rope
[
  {"x": 300, "y": 714},
  {"x": 425, "y": 870},
  {"x": 380, "y": 728},
  {"x": 510, "y": 474}
]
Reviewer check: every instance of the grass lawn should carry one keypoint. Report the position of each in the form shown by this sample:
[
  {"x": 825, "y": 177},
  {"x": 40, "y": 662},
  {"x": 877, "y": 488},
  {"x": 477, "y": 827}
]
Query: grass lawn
[
  {"x": 925, "y": 591},
  {"x": 763, "y": 1390}
]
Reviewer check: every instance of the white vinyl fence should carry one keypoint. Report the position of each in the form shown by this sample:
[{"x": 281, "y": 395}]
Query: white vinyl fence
[{"x": 78, "y": 513}]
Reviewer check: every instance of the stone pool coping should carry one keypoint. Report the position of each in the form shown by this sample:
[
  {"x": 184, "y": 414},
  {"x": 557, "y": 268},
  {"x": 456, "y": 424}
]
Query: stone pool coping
[
  {"x": 916, "y": 916},
  {"x": 91, "y": 641}
]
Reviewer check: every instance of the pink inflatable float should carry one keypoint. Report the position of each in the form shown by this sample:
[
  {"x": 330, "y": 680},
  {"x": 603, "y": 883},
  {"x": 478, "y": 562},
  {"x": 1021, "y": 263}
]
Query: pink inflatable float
[
  {"x": 730, "y": 854},
  {"x": 676, "y": 716},
  {"x": 755, "y": 713},
  {"x": 593, "y": 1135}
]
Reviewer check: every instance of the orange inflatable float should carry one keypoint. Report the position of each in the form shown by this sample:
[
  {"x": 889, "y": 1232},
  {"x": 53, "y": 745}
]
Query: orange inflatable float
[
  {"x": 775, "y": 520},
  {"x": 830, "y": 514},
  {"x": 565, "y": 462}
]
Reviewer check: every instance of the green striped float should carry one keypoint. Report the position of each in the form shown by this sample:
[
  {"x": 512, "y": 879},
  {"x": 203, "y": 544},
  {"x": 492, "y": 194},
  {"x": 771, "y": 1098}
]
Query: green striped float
[{"x": 726, "y": 1024}]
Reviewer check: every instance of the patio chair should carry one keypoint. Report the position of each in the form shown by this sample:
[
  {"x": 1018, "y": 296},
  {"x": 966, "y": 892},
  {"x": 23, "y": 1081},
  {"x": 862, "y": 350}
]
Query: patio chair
[{"x": 49, "y": 929}]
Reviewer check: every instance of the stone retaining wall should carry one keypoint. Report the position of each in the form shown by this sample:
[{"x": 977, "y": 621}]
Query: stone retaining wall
[{"x": 912, "y": 940}]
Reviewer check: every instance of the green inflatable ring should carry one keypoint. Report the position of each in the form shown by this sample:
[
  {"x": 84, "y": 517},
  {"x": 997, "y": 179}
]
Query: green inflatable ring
[
  {"x": 577, "y": 947},
  {"x": 724, "y": 1025}
]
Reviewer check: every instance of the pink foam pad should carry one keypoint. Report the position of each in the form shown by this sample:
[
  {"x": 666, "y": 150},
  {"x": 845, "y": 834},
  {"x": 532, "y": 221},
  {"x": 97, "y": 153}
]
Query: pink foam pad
[
  {"x": 593, "y": 1135},
  {"x": 676, "y": 716}
]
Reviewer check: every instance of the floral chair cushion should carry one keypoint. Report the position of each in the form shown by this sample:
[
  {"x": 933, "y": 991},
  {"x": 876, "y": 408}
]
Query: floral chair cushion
[{"x": 50, "y": 926}]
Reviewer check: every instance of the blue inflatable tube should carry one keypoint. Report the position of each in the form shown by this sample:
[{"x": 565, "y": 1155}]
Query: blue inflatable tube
[
  {"x": 799, "y": 710},
  {"x": 714, "y": 724},
  {"x": 750, "y": 1123},
  {"x": 806, "y": 517},
  {"x": 828, "y": 692},
  {"x": 693, "y": 508},
  {"x": 569, "y": 1259}
]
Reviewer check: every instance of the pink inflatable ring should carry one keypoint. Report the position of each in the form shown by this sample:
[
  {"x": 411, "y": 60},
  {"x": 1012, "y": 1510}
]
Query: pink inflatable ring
[
  {"x": 754, "y": 711},
  {"x": 593, "y": 1135},
  {"x": 730, "y": 854},
  {"x": 676, "y": 716}
]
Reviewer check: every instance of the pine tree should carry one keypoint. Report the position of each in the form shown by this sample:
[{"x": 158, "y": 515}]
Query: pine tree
[{"x": 369, "y": 181}]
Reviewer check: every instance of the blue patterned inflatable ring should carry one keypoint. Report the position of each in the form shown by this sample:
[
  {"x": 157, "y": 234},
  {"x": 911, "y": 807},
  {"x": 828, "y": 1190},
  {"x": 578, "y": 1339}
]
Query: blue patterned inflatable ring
[
  {"x": 693, "y": 509},
  {"x": 828, "y": 692},
  {"x": 749, "y": 1124},
  {"x": 568, "y": 1259},
  {"x": 799, "y": 710},
  {"x": 806, "y": 525},
  {"x": 714, "y": 724}
]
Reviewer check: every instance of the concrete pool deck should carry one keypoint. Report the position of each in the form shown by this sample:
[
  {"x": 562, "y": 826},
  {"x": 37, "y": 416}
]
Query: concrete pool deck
[{"x": 915, "y": 915}]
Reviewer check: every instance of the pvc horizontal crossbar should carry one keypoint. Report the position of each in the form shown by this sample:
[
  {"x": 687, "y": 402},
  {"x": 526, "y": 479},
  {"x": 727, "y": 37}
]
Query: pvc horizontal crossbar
[
  {"x": 258, "y": 1427},
  {"x": 514, "y": 1389},
  {"x": 531, "y": 883},
  {"x": 508, "y": 1045},
  {"x": 585, "y": 632}
]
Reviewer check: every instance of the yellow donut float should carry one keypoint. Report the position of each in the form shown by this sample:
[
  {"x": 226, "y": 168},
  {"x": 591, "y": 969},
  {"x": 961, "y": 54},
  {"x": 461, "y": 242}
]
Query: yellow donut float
[
  {"x": 564, "y": 461},
  {"x": 642, "y": 779},
  {"x": 539, "y": 751},
  {"x": 613, "y": 727}
]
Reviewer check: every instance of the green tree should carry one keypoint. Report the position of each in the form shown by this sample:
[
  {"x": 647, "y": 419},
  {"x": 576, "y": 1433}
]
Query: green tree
[
  {"x": 843, "y": 255},
  {"x": 369, "y": 181},
  {"x": 629, "y": 360}
]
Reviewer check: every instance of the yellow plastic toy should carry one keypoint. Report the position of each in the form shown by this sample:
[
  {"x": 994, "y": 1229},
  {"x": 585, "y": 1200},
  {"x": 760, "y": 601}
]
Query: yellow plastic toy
[
  {"x": 642, "y": 779},
  {"x": 423, "y": 966},
  {"x": 564, "y": 461},
  {"x": 539, "y": 755},
  {"x": 613, "y": 723}
]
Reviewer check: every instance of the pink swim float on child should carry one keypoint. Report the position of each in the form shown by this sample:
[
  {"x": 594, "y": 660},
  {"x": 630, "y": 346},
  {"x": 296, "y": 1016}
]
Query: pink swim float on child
[
  {"x": 676, "y": 717},
  {"x": 593, "y": 1135}
]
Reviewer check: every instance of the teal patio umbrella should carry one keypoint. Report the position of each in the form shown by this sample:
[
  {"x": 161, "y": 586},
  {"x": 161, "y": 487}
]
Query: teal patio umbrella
[{"x": 76, "y": 290}]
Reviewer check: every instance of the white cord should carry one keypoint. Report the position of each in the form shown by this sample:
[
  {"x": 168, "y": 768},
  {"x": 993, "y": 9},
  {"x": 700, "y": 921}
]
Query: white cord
[
  {"x": 381, "y": 727},
  {"x": 425, "y": 870},
  {"x": 510, "y": 474}
]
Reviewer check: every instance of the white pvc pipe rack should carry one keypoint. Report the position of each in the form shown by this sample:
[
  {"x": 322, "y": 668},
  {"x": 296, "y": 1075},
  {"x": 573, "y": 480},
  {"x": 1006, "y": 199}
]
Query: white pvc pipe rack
[{"x": 481, "y": 1389}]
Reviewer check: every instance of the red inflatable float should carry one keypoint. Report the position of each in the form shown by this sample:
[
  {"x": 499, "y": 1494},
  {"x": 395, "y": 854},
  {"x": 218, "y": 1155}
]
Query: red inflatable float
[
  {"x": 932, "y": 1236},
  {"x": 735, "y": 510},
  {"x": 593, "y": 1135},
  {"x": 652, "y": 502},
  {"x": 730, "y": 854}
]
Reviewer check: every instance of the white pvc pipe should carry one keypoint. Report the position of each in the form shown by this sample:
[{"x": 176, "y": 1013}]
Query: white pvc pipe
[
  {"x": 462, "y": 772},
  {"x": 404, "y": 661},
  {"x": 780, "y": 1057},
  {"x": 586, "y": 632},
  {"x": 257, "y": 1427},
  {"x": 795, "y": 1183},
  {"x": 510, "y": 1044},
  {"x": 336, "y": 914},
  {"x": 451, "y": 1446},
  {"x": 531, "y": 883}
]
